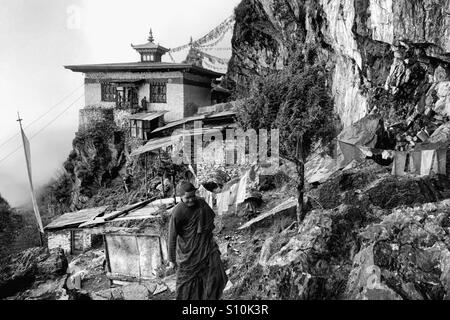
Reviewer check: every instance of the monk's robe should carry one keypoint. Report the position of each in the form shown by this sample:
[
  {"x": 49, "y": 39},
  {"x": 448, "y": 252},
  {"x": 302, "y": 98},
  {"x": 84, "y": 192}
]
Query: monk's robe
[{"x": 200, "y": 274}]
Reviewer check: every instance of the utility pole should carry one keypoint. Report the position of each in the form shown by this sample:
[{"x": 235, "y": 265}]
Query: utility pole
[{"x": 26, "y": 148}]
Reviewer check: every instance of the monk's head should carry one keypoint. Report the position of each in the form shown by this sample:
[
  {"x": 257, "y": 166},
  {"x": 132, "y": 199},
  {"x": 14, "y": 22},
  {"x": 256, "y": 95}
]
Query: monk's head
[{"x": 188, "y": 196}]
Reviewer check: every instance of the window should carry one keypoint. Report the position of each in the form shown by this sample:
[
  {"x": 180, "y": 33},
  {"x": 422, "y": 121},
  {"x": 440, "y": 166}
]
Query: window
[
  {"x": 109, "y": 92},
  {"x": 158, "y": 92},
  {"x": 127, "y": 97},
  {"x": 147, "y": 57},
  {"x": 133, "y": 127}
]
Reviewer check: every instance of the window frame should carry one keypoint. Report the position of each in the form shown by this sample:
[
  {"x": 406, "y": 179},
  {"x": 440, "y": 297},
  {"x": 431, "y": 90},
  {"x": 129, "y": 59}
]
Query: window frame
[
  {"x": 158, "y": 92},
  {"x": 108, "y": 96}
]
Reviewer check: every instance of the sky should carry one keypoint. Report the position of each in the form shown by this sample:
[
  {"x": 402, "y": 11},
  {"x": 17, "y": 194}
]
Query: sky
[{"x": 39, "y": 37}]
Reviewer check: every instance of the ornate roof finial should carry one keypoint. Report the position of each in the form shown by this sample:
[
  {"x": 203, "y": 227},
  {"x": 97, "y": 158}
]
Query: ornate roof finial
[{"x": 150, "y": 36}]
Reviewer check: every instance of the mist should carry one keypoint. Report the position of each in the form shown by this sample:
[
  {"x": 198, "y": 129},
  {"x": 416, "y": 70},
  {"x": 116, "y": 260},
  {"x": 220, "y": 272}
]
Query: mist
[{"x": 39, "y": 37}]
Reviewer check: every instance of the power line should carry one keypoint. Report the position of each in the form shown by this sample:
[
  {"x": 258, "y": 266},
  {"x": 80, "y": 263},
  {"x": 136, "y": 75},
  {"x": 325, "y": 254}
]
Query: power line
[
  {"x": 41, "y": 116},
  {"x": 57, "y": 117},
  {"x": 41, "y": 130}
]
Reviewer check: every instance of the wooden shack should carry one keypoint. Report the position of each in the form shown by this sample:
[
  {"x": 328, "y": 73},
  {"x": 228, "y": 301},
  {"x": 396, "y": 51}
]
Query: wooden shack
[
  {"x": 65, "y": 232},
  {"x": 135, "y": 240}
]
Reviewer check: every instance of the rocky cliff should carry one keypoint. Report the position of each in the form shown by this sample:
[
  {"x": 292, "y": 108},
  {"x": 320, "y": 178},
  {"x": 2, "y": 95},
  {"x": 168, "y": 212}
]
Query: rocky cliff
[
  {"x": 373, "y": 48},
  {"x": 93, "y": 166}
]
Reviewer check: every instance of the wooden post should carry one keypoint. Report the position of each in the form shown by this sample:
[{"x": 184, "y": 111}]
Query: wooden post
[
  {"x": 145, "y": 174},
  {"x": 174, "y": 189},
  {"x": 108, "y": 264},
  {"x": 162, "y": 177},
  {"x": 301, "y": 179}
]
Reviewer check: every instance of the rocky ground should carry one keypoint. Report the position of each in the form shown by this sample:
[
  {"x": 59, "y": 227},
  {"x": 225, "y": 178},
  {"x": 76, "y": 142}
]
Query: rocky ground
[
  {"x": 373, "y": 236},
  {"x": 368, "y": 235}
]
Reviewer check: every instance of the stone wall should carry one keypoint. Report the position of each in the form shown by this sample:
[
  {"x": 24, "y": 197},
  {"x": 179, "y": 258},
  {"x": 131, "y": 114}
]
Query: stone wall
[
  {"x": 60, "y": 239},
  {"x": 90, "y": 116},
  {"x": 63, "y": 239}
]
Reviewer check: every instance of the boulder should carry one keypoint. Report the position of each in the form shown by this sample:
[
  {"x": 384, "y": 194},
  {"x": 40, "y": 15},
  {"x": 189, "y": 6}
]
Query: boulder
[
  {"x": 55, "y": 264},
  {"x": 160, "y": 288},
  {"x": 108, "y": 294},
  {"x": 405, "y": 256},
  {"x": 365, "y": 280},
  {"x": 49, "y": 290},
  {"x": 135, "y": 292},
  {"x": 442, "y": 105},
  {"x": 440, "y": 138},
  {"x": 19, "y": 271}
]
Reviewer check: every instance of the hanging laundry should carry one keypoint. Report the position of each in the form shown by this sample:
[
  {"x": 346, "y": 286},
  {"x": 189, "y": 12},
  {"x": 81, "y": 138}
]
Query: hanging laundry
[
  {"x": 398, "y": 168},
  {"x": 442, "y": 161},
  {"x": 222, "y": 202},
  {"x": 233, "y": 194},
  {"x": 242, "y": 187},
  {"x": 415, "y": 160},
  {"x": 426, "y": 162},
  {"x": 207, "y": 195}
]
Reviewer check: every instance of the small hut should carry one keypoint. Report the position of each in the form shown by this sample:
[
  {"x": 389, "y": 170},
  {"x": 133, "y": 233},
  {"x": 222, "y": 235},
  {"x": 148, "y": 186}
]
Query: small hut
[
  {"x": 135, "y": 240},
  {"x": 64, "y": 232}
]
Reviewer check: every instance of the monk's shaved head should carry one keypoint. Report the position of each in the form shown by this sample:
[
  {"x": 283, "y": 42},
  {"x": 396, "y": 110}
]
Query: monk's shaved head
[
  {"x": 187, "y": 192},
  {"x": 187, "y": 187}
]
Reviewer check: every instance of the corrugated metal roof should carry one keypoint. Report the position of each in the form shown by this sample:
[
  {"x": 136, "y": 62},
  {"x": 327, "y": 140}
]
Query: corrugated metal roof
[
  {"x": 221, "y": 114},
  {"x": 179, "y": 122},
  {"x": 165, "y": 142},
  {"x": 195, "y": 118},
  {"x": 147, "y": 116},
  {"x": 147, "y": 211},
  {"x": 75, "y": 218},
  {"x": 155, "y": 144}
]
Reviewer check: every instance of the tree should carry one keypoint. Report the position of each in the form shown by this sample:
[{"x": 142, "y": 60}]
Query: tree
[{"x": 297, "y": 101}]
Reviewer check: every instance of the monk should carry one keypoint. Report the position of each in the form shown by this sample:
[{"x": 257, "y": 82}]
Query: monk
[{"x": 193, "y": 252}]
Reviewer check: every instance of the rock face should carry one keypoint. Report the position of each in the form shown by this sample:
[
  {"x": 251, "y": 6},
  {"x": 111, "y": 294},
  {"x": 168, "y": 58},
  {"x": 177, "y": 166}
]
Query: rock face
[
  {"x": 95, "y": 161},
  {"x": 399, "y": 46},
  {"x": 19, "y": 271},
  {"x": 404, "y": 256}
]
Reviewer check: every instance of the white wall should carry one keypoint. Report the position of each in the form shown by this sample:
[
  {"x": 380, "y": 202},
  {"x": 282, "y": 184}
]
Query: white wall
[
  {"x": 59, "y": 239},
  {"x": 175, "y": 103}
]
